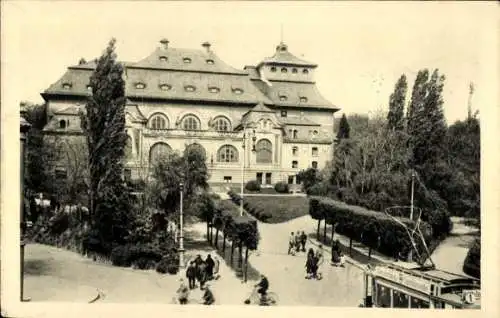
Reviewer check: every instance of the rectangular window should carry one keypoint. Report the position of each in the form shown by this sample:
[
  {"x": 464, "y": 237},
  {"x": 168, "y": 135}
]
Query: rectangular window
[
  {"x": 315, "y": 164},
  {"x": 400, "y": 300},
  {"x": 295, "y": 164},
  {"x": 290, "y": 179},
  {"x": 268, "y": 178},
  {"x": 295, "y": 150},
  {"x": 283, "y": 113},
  {"x": 419, "y": 303},
  {"x": 383, "y": 296},
  {"x": 297, "y": 179},
  {"x": 259, "y": 177},
  {"x": 314, "y": 151},
  {"x": 228, "y": 179}
]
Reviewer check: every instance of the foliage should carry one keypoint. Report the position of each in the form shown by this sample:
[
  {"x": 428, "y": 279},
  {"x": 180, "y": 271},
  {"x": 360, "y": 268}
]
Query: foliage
[
  {"x": 168, "y": 264},
  {"x": 308, "y": 177},
  {"x": 104, "y": 126},
  {"x": 367, "y": 226},
  {"x": 395, "y": 117},
  {"x": 252, "y": 185},
  {"x": 172, "y": 170},
  {"x": 472, "y": 262},
  {"x": 344, "y": 129},
  {"x": 281, "y": 187}
]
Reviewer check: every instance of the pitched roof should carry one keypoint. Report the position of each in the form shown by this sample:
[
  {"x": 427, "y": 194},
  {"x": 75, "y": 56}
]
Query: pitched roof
[
  {"x": 72, "y": 110},
  {"x": 294, "y": 94},
  {"x": 73, "y": 82},
  {"x": 208, "y": 87},
  {"x": 186, "y": 60},
  {"x": 283, "y": 56}
]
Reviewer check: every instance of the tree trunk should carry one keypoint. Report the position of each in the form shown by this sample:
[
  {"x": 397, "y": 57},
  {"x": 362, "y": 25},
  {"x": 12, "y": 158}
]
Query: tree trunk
[
  {"x": 324, "y": 233},
  {"x": 211, "y": 235},
  {"x": 224, "y": 244},
  {"x": 246, "y": 265},
  {"x": 240, "y": 252},
  {"x": 369, "y": 253},
  {"x": 317, "y": 231},
  {"x": 216, "y": 237},
  {"x": 232, "y": 250},
  {"x": 333, "y": 231},
  {"x": 350, "y": 247},
  {"x": 208, "y": 232}
]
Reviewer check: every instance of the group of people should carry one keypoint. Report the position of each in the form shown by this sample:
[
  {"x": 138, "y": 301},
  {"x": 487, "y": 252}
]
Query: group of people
[
  {"x": 202, "y": 271},
  {"x": 338, "y": 257},
  {"x": 297, "y": 242}
]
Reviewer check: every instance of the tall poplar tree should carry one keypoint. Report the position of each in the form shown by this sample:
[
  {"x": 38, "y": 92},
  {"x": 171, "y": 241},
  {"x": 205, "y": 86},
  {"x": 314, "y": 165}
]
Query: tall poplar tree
[
  {"x": 344, "y": 129},
  {"x": 104, "y": 126},
  {"x": 415, "y": 115},
  {"x": 395, "y": 117}
]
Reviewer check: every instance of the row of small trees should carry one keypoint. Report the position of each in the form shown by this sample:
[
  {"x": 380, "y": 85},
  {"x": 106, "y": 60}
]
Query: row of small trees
[{"x": 223, "y": 216}]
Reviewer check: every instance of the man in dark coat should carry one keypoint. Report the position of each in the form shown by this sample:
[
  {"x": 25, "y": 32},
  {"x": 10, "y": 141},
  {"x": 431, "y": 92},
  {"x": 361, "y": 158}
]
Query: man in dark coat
[
  {"x": 303, "y": 240},
  {"x": 210, "y": 267},
  {"x": 191, "y": 275}
]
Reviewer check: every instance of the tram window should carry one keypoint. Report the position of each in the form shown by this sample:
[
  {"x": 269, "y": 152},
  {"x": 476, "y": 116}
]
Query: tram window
[
  {"x": 383, "y": 296},
  {"x": 400, "y": 300},
  {"x": 419, "y": 303}
]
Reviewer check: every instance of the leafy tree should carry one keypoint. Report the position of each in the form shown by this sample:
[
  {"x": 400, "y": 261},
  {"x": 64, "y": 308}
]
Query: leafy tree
[
  {"x": 395, "y": 117},
  {"x": 104, "y": 126},
  {"x": 309, "y": 177},
  {"x": 344, "y": 129},
  {"x": 415, "y": 115}
]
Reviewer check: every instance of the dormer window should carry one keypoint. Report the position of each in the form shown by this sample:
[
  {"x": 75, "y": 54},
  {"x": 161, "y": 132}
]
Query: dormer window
[
  {"x": 294, "y": 71},
  {"x": 67, "y": 85},
  {"x": 284, "y": 70},
  {"x": 186, "y": 60},
  {"x": 283, "y": 98},
  {"x": 62, "y": 124},
  {"x": 213, "y": 89},
  {"x": 303, "y": 99},
  {"x": 210, "y": 62},
  {"x": 163, "y": 58},
  {"x": 140, "y": 85},
  {"x": 189, "y": 88},
  {"x": 165, "y": 87},
  {"x": 237, "y": 91},
  {"x": 315, "y": 133},
  {"x": 305, "y": 71},
  {"x": 273, "y": 69}
]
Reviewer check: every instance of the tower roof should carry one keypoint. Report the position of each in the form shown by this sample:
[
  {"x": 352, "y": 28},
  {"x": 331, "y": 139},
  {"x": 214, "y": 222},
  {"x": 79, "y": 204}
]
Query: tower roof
[{"x": 284, "y": 57}]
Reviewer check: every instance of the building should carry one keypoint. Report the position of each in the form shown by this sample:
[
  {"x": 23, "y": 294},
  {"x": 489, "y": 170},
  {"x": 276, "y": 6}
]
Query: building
[{"x": 269, "y": 118}]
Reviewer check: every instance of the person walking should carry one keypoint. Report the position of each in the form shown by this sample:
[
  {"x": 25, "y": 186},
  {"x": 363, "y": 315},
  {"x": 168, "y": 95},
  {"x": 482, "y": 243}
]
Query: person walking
[
  {"x": 210, "y": 267},
  {"x": 303, "y": 241},
  {"x": 183, "y": 293},
  {"x": 309, "y": 263},
  {"x": 297, "y": 242},
  {"x": 202, "y": 274},
  {"x": 208, "y": 296},
  {"x": 336, "y": 252},
  {"x": 191, "y": 275},
  {"x": 291, "y": 242},
  {"x": 216, "y": 267}
]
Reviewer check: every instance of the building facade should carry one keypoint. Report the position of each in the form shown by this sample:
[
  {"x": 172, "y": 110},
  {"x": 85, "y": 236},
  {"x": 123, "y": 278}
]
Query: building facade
[{"x": 266, "y": 122}]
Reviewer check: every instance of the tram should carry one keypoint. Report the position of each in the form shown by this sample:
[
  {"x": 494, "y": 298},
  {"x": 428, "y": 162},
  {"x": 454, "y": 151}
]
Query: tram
[{"x": 396, "y": 286}]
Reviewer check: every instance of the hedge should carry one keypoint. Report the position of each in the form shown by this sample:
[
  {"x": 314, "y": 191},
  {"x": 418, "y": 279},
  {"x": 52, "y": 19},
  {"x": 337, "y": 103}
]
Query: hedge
[
  {"x": 374, "y": 229},
  {"x": 258, "y": 214}
]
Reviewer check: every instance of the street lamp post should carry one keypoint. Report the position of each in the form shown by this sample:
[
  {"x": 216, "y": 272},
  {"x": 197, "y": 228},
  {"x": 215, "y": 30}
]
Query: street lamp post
[
  {"x": 24, "y": 128},
  {"x": 410, "y": 254},
  {"x": 181, "y": 229}
]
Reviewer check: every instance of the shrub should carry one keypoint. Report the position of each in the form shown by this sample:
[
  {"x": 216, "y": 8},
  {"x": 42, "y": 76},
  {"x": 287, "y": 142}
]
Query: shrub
[
  {"x": 168, "y": 264},
  {"x": 252, "y": 185},
  {"x": 59, "y": 223},
  {"x": 472, "y": 262},
  {"x": 353, "y": 221},
  {"x": 281, "y": 187}
]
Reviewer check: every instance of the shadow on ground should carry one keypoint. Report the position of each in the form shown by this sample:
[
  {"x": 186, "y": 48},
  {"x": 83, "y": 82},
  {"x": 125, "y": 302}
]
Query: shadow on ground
[
  {"x": 36, "y": 267},
  {"x": 354, "y": 254}
]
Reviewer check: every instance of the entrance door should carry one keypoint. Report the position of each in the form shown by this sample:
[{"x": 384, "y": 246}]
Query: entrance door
[
  {"x": 259, "y": 177},
  {"x": 268, "y": 178}
]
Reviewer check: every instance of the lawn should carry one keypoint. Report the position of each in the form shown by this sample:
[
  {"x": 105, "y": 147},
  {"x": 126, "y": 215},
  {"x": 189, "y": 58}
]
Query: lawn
[
  {"x": 269, "y": 191},
  {"x": 281, "y": 209}
]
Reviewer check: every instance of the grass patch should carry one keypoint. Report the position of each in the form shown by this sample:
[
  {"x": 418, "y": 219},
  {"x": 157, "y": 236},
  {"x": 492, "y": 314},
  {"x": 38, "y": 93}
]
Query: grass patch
[
  {"x": 280, "y": 209},
  {"x": 269, "y": 191}
]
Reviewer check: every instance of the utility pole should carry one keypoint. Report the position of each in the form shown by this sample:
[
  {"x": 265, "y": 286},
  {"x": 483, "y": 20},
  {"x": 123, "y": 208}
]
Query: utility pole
[
  {"x": 410, "y": 255},
  {"x": 24, "y": 128}
]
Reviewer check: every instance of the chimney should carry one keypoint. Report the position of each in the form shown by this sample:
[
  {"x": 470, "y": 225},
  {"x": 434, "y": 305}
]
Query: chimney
[
  {"x": 207, "y": 45},
  {"x": 164, "y": 43},
  {"x": 82, "y": 61}
]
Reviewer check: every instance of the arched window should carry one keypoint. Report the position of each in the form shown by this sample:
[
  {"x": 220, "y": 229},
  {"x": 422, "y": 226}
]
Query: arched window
[
  {"x": 227, "y": 153},
  {"x": 158, "y": 151},
  {"x": 264, "y": 150},
  {"x": 158, "y": 121},
  {"x": 198, "y": 147},
  {"x": 222, "y": 124},
  {"x": 190, "y": 122},
  {"x": 62, "y": 124},
  {"x": 128, "y": 149}
]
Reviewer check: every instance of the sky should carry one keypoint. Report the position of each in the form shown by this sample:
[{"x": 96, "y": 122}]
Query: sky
[{"x": 361, "y": 48}]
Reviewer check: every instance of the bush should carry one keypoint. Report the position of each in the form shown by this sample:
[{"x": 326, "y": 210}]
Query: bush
[
  {"x": 281, "y": 187},
  {"x": 59, "y": 223},
  {"x": 353, "y": 221},
  {"x": 252, "y": 185},
  {"x": 472, "y": 262},
  {"x": 168, "y": 264},
  {"x": 138, "y": 256},
  {"x": 320, "y": 189}
]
